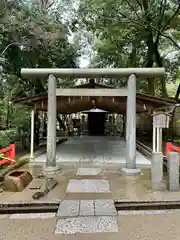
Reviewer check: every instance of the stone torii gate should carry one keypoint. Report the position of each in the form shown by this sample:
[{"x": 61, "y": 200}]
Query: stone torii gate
[{"x": 130, "y": 92}]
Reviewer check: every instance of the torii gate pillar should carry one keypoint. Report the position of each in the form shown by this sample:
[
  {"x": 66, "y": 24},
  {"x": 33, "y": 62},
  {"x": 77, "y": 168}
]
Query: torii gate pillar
[
  {"x": 130, "y": 168},
  {"x": 51, "y": 125}
]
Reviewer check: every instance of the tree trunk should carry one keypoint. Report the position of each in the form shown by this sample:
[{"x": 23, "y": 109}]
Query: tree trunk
[
  {"x": 159, "y": 62},
  {"x": 150, "y": 60},
  {"x": 153, "y": 51},
  {"x": 151, "y": 86},
  {"x": 132, "y": 57},
  {"x": 177, "y": 94},
  {"x": 150, "y": 45},
  {"x": 163, "y": 87}
]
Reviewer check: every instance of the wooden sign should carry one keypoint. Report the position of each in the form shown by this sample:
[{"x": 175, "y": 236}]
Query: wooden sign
[{"x": 161, "y": 120}]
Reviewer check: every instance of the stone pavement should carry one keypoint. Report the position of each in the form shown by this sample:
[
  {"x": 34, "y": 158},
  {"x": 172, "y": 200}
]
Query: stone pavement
[
  {"x": 88, "y": 186},
  {"x": 82, "y": 216},
  {"x": 87, "y": 216},
  {"x": 96, "y": 217},
  {"x": 75, "y": 208},
  {"x": 86, "y": 198},
  {"x": 161, "y": 226},
  {"x": 77, "y": 217},
  {"x": 122, "y": 188},
  {"x": 94, "y": 151}
]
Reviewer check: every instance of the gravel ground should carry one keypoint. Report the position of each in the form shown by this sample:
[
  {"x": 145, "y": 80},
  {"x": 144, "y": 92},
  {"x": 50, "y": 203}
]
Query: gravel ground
[
  {"x": 151, "y": 227},
  {"x": 44, "y": 230},
  {"x": 131, "y": 227}
]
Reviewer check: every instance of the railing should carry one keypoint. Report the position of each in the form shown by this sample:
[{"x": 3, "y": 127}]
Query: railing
[{"x": 8, "y": 155}]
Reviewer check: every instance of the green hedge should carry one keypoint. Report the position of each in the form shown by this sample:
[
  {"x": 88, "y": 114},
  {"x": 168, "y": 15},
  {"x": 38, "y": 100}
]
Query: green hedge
[{"x": 7, "y": 137}]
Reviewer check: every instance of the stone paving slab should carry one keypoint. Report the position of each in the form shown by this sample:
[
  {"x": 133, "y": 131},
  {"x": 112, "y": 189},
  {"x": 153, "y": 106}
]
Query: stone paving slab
[
  {"x": 105, "y": 207},
  {"x": 94, "y": 149},
  {"x": 89, "y": 224},
  {"x": 74, "y": 208},
  {"x": 4, "y": 216},
  {"x": 148, "y": 212},
  {"x": 29, "y": 202},
  {"x": 32, "y": 216},
  {"x": 86, "y": 208},
  {"x": 88, "y": 186},
  {"x": 88, "y": 171},
  {"x": 68, "y": 208}
]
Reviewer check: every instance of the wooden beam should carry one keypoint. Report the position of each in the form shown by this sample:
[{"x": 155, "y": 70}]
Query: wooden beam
[{"x": 84, "y": 92}]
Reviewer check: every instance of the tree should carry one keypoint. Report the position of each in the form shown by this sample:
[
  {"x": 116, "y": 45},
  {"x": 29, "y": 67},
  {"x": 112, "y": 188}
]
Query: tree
[
  {"x": 45, "y": 40},
  {"x": 133, "y": 33},
  {"x": 34, "y": 25}
]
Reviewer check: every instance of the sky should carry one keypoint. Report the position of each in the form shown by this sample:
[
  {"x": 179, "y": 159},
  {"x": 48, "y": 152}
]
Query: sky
[{"x": 84, "y": 62}]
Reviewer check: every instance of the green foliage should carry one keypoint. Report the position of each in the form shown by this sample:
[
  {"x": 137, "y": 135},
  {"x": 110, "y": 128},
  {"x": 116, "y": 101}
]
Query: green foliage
[
  {"x": 134, "y": 34},
  {"x": 7, "y": 137},
  {"x": 45, "y": 41},
  {"x": 37, "y": 26},
  {"x": 177, "y": 141}
]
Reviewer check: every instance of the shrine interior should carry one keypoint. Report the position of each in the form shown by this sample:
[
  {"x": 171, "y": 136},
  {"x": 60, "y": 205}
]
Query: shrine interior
[{"x": 96, "y": 123}]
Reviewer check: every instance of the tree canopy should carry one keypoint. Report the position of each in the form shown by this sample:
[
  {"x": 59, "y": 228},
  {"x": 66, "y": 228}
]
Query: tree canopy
[
  {"x": 134, "y": 33},
  {"x": 32, "y": 34},
  {"x": 44, "y": 39}
]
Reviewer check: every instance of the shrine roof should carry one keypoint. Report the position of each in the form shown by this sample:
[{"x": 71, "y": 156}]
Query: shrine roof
[{"x": 69, "y": 104}]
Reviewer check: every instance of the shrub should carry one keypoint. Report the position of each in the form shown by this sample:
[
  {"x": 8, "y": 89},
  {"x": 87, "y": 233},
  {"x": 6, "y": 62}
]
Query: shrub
[{"x": 7, "y": 137}]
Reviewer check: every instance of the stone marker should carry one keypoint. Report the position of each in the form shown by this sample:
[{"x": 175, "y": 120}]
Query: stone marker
[
  {"x": 173, "y": 171},
  {"x": 157, "y": 171},
  {"x": 16, "y": 181}
]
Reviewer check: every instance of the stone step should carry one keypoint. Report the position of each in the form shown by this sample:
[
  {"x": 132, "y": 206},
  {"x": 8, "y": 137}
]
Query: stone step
[
  {"x": 88, "y": 224},
  {"x": 88, "y": 171},
  {"x": 76, "y": 208},
  {"x": 88, "y": 186}
]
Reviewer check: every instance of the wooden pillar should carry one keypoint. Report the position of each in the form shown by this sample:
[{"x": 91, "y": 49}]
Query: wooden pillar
[{"x": 32, "y": 135}]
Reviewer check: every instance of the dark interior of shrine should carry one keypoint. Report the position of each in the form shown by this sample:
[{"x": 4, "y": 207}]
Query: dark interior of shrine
[{"x": 96, "y": 123}]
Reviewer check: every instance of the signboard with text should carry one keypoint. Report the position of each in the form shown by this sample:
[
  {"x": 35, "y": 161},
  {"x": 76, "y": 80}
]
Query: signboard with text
[{"x": 161, "y": 120}]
